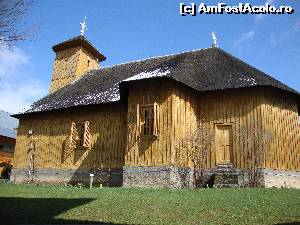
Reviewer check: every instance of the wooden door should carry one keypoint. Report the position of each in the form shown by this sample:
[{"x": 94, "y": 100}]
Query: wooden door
[{"x": 223, "y": 143}]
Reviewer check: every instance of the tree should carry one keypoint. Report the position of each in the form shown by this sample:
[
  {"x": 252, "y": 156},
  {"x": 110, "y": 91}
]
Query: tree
[
  {"x": 254, "y": 148},
  {"x": 11, "y": 28}
]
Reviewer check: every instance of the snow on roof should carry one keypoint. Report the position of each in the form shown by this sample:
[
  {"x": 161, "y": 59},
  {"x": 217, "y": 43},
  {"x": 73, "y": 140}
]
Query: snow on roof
[
  {"x": 202, "y": 70},
  {"x": 149, "y": 74}
]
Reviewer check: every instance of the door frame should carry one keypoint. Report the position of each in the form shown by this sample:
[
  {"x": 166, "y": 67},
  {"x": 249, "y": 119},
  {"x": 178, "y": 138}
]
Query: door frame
[{"x": 231, "y": 150}]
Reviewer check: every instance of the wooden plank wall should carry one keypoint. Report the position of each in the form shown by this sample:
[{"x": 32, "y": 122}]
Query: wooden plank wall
[
  {"x": 280, "y": 114},
  {"x": 65, "y": 66},
  {"x": 70, "y": 64},
  {"x": 51, "y": 131},
  {"x": 143, "y": 152},
  {"x": 181, "y": 109},
  {"x": 253, "y": 109},
  {"x": 240, "y": 108},
  {"x": 115, "y": 142},
  {"x": 185, "y": 119}
]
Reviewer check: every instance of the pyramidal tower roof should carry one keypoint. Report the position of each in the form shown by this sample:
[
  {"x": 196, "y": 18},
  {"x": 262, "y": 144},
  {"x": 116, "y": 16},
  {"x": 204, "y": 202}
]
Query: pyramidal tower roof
[{"x": 79, "y": 41}]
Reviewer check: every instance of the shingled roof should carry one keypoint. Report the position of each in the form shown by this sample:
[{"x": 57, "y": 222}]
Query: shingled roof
[{"x": 203, "y": 70}]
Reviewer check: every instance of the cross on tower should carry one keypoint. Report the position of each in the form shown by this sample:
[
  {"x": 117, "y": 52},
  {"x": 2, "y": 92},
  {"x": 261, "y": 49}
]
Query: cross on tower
[
  {"x": 214, "y": 37},
  {"x": 83, "y": 26}
]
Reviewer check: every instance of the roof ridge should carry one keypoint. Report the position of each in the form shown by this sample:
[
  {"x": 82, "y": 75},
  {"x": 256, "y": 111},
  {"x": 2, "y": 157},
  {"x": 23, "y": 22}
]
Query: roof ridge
[
  {"x": 205, "y": 69},
  {"x": 154, "y": 57},
  {"x": 90, "y": 72}
]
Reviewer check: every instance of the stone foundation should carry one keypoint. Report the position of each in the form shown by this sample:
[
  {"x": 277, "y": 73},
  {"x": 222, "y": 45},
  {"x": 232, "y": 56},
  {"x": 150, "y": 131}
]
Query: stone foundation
[
  {"x": 226, "y": 176},
  {"x": 156, "y": 177},
  {"x": 176, "y": 177},
  {"x": 68, "y": 176},
  {"x": 182, "y": 177}
]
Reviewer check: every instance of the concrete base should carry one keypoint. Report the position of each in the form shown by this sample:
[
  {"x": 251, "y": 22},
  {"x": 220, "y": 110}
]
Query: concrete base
[{"x": 281, "y": 178}]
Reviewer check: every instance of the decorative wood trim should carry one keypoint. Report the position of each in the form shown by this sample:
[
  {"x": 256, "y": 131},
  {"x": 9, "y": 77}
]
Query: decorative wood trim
[
  {"x": 86, "y": 135},
  {"x": 73, "y": 136}
]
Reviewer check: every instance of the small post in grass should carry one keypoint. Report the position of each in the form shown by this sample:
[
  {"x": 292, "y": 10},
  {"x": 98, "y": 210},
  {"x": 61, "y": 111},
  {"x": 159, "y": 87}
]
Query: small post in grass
[{"x": 91, "y": 180}]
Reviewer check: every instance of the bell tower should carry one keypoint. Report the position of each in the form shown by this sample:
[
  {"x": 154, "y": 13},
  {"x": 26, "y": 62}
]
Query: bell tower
[{"x": 74, "y": 58}]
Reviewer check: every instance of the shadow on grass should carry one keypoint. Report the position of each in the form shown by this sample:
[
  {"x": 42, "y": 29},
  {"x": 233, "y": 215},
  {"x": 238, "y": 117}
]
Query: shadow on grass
[
  {"x": 40, "y": 210},
  {"x": 291, "y": 223}
]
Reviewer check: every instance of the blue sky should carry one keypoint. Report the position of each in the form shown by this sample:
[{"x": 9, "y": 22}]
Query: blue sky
[{"x": 130, "y": 30}]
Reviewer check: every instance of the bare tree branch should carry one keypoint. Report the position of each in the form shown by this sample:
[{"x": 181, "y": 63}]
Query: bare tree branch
[
  {"x": 254, "y": 148},
  {"x": 198, "y": 146},
  {"x": 12, "y": 29}
]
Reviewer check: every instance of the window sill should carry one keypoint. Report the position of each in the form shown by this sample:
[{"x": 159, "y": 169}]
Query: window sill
[
  {"x": 81, "y": 148},
  {"x": 149, "y": 137}
]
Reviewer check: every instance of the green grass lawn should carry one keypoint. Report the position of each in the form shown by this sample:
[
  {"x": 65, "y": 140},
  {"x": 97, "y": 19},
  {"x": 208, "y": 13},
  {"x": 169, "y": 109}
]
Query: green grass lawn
[{"x": 32, "y": 204}]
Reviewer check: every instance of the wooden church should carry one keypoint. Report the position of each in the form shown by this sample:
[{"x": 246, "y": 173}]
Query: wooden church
[{"x": 128, "y": 124}]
